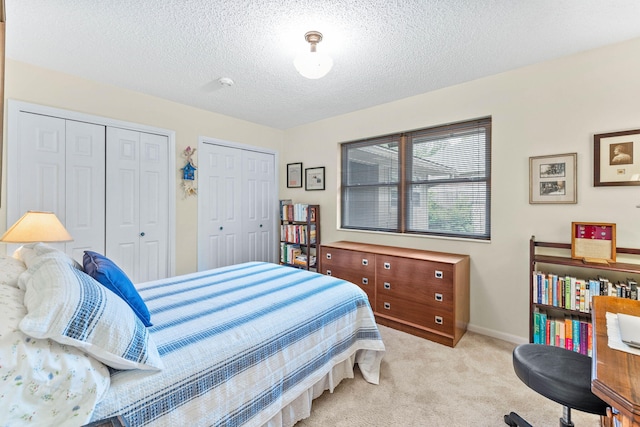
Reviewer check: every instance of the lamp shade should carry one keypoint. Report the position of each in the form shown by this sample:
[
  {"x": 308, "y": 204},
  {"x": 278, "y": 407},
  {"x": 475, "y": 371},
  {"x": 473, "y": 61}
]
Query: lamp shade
[
  {"x": 37, "y": 226},
  {"x": 313, "y": 65}
]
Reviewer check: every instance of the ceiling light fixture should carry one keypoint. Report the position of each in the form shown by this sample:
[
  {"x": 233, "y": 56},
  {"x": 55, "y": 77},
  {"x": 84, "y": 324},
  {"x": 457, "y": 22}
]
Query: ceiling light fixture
[{"x": 312, "y": 64}]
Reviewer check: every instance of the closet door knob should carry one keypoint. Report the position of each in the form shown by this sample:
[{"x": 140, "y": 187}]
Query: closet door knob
[
  {"x": 220, "y": 227},
  {"x": 142, "y": 234}
]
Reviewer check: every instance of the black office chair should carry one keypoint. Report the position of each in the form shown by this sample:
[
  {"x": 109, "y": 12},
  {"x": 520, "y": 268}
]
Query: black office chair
[{"x": 561, "y": 375}]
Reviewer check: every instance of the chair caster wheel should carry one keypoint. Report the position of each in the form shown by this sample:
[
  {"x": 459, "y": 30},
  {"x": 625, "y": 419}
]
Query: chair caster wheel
[{"x": 509, "y": 422}]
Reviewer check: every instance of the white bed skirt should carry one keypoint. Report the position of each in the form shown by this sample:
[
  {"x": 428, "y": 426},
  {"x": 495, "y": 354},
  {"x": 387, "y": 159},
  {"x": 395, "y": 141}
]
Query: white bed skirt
[{"x": 300, "y": 408}]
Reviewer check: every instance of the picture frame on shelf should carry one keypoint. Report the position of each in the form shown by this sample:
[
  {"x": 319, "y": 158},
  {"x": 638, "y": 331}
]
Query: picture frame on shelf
[
  {"x": 593, "y": 242},
  {"x": 616, "y": 158},
  {"x": 294, "y": 175},
  {"x": 314, "y": 178},
  {"x": 552, "y": 179}
]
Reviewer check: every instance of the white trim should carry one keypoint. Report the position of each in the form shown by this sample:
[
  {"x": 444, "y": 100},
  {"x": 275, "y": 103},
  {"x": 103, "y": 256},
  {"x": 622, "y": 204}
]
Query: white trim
[
  {"x": 497, "y": 334},
  {"x": 14, "y": 107}
]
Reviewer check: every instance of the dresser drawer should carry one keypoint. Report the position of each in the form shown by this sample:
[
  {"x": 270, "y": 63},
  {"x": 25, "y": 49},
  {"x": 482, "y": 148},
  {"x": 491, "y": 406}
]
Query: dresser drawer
[
  {"x": 439, "y": 297},
  {"x": 415, "y": 312},
  {"x": 407, "y": 270},
  {"x": 367, "y": 284},
  {"x": 352, "y": 266},
  {"x": 338, "y": 262}
]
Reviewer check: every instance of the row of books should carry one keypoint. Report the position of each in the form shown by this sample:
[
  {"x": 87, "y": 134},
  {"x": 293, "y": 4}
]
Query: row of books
[
  {"x": 293, "y": 254},
  {"x": 576, "y": 294},
  {"x": 572, "y": 334},
  {"x": 298, "y": 233},
  {"x": 296, "y": 211}
]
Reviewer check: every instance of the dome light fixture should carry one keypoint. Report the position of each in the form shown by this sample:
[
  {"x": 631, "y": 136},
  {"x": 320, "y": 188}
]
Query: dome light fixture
[{"x": 312, "y": 64}]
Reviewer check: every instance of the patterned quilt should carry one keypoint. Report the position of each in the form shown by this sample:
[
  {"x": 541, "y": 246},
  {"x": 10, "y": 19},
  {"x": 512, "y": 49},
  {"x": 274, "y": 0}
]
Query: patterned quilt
[{"x": 242, "y": 342}]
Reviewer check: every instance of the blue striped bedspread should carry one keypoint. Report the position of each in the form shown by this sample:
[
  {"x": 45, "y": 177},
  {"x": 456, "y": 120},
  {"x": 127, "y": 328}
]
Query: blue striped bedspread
[{"x": 241, "y": 342}]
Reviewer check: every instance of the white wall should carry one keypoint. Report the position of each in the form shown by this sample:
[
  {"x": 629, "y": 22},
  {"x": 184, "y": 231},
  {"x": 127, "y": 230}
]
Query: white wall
[
  {"x": 40, "y": 86},
  {"x": 550, "y": 108}
]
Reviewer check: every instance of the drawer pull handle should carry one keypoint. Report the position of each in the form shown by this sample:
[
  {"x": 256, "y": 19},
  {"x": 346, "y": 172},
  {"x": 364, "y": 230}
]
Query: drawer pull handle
[
  {"x": 439, "y": 320},
  {"x": 438, "y": 297},
  {"x": 365, "y": 281},
  {"x": 365, "y": 262},
  {"x": 328, "y": 256},
  {"x": 387, "y": 285},
  {"x": 387, "y": 306},
  {"x": 439, "y": 274},
  {"x": 328, "y": 272},
  {"x": 387, "y": 266}
]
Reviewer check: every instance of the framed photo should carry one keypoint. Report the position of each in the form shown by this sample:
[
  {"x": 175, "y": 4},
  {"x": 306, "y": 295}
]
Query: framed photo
[
  {"x": 314, "y": 179},
  {"x": 294, "y": 175},
  {"x": 552, "y": 179},
  {"x": 593, "y": 242},
  {"x": 616, "y": 158}
]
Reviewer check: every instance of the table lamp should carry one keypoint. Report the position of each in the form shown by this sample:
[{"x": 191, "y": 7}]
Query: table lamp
[{"x": 37, "y": 226}]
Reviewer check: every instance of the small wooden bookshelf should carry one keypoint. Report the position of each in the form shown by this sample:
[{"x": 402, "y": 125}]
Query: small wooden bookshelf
[
  {"x": 299, "y": 235},
  {"x": 553, "y": 261}
]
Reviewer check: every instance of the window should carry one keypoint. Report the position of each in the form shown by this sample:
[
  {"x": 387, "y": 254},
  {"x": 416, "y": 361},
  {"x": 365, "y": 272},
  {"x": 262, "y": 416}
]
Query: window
[{"x": 434, "y": 181}]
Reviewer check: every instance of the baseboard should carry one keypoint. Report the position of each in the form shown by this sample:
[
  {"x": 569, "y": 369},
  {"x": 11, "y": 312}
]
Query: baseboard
[{"x": 497, "y": 334}]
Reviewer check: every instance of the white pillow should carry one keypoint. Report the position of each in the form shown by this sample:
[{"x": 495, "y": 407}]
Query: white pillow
[
  {"x": 70, "y": 307},
  {"x": 43, "y": 382},
  {"x": 10, "y": 269},
  {"x": 32, "y": 253},
  {"x": 12, "y": 309}
]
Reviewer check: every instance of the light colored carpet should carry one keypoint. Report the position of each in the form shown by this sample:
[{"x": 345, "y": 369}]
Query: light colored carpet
[{"x": 427, "y": 384}]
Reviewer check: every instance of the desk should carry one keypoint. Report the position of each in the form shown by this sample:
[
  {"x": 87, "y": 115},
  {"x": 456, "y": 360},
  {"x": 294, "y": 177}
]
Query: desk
[{"x": 615, "y": 374}]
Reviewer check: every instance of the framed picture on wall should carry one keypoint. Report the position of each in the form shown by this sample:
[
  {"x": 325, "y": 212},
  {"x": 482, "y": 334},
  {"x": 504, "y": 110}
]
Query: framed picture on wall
[
  {"x": 294, "y": 175},
  {"x": 314, "y": 178},
  {"x": 552, "y": 179},
  {"x": 616, "y": 158}
]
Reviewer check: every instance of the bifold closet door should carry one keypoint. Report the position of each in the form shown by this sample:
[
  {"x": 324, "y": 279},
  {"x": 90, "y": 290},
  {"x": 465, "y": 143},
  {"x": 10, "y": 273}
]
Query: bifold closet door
[
  {"x": 258, "y": 205},
  {"x": 236, "y": 206},
  {"x": 137, "y": 187},
  {"x": 59, "y": 167},
  {"x": 219, "y": 206}
]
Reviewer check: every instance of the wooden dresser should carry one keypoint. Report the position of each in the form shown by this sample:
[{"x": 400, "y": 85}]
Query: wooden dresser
[{"x": 420, "y": 292}]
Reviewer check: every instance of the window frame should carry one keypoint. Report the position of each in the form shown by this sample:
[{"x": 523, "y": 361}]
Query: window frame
[{"x": 405, "y": 183}]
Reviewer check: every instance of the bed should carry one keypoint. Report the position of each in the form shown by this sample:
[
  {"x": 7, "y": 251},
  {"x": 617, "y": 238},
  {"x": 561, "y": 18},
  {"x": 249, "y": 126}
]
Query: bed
[{"x": 245, "y": 345}]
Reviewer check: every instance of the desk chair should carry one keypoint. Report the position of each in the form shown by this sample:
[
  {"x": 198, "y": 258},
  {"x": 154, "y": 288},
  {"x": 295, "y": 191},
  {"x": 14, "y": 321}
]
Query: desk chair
[{"x": 561, "y": 375}]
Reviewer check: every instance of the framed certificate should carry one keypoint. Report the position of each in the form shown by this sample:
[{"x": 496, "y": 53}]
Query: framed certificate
[{"x": 593, "y": 242}]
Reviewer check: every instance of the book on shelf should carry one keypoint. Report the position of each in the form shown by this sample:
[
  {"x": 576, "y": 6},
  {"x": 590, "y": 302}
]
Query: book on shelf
[
  {"x": 301, "y": 259},
  {"x": 297, "y": 233},
  {"x": 289, "y": 252},
  {"x": 566, "y": 332},
  {"x": 577, "y": 294},
  {"x": 297, "y": 212}
]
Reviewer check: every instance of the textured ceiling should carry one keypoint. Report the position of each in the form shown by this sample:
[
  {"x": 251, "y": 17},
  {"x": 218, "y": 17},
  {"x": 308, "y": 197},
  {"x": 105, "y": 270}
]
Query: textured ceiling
[{"x": 383, "y": 50}]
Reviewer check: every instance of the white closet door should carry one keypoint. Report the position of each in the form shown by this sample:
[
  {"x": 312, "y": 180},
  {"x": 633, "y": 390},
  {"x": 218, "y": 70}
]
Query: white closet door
[
  {"x": 219, "y": 207},
  {"x": 154, "y": 203},
  {"x": 122, "y": 194},
  {"x": 258, "y": 198},
  {"x": 40, "y": 174},
  {"x": 59, "y": 164},
  {"x": 60, "y": 168},
  {"x": 85, "y": 181},
  {"x": 137, "y": 203}
]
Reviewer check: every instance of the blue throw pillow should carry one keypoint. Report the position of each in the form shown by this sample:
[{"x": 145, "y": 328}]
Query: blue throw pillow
[{"x": 112, "y": 277}]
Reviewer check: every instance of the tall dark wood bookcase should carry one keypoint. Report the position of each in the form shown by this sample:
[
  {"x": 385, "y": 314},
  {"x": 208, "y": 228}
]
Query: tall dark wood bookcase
[
  {"x": 300, "y": 231},
  {"x": 560, "y": 262}
]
